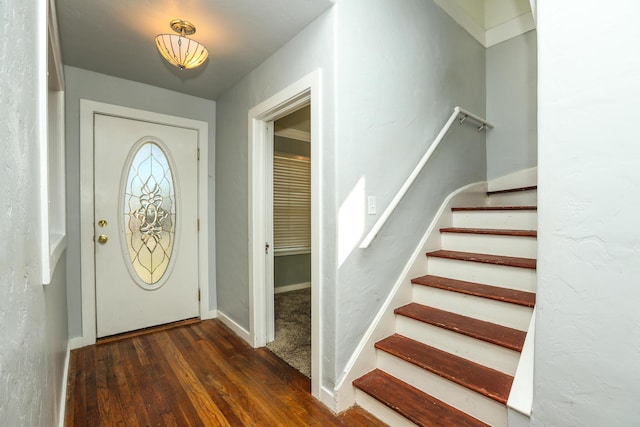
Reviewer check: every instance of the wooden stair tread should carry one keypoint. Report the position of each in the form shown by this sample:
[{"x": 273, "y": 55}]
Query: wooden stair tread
[
  {"x": 479, "y": 378},
  {"x": 415, "y": 405},
  {"x": 503, "y": 336},
  {"x": 527, "y": 299},
  {"x": 485, "y": 258},
  {"x": 495, "y": 208},
  {"x": 490, "y": 231},
  {"x": 512, "y": 190}
]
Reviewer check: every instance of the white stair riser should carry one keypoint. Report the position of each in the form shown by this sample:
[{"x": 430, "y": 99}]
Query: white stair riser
[
  {"x": 523, "y": 279},
  {"x": 517, "y": 246},
  {"x": 478, "y": 351},
  {"x": 515, "y": 220},
  {"x": 380, "y": 410},
  {"x": 460, "y": 397},
  {"x": 502, "y": 313},
  {"x": 519, "y": 198}
]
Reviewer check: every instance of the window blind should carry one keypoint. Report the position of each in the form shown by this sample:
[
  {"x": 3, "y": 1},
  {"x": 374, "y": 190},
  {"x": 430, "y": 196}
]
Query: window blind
[{"x": 291, "y": 203}]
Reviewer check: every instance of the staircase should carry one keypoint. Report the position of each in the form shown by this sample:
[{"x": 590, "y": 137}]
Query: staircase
[{"x": 457, "y": 345}]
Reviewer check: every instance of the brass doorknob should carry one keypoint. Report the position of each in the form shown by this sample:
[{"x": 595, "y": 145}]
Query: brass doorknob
[{"x": 103, "y": 238}]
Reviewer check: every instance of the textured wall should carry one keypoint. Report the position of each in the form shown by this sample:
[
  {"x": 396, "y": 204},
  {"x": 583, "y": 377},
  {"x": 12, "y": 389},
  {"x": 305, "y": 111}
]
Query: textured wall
[
  {"x": 512, "y": 105},
  {"x": 587, "y": 346},
  {"x": 99, "y": 87},
  {"x": 310, "y": 50},
  {"x": 401, "y": 68},
  {"x": 33, "y": 323}
]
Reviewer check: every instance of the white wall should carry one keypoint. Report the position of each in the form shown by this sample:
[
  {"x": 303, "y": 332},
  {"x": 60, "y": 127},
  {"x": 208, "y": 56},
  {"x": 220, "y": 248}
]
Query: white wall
[
  {"x": 512, "y": 105},
  {"x": 587, "y": 369},
  {"x": 310, "y": 50},
  {"x": 83, "y": 84},
  {"x": 401, "y": 67},
  {"x": 33, "y": 332}
]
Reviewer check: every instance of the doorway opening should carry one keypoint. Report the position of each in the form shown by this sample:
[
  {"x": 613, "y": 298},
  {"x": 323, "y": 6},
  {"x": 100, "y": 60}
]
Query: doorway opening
[
  {"x": 305, "y": 92},
  {"x": 291, "y": 209}
]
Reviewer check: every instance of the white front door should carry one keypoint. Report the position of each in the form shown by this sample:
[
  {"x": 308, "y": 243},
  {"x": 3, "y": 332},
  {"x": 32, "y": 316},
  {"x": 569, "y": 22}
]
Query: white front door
[{"x": 146, "y": 226}]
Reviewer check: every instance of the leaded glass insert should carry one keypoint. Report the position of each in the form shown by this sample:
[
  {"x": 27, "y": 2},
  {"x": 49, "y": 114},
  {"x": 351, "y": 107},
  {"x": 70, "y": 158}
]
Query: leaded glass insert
[{"x": 150, "y": 213}]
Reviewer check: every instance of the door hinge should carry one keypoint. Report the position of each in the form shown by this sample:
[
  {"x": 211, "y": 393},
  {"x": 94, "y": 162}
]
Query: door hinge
[
  {"x": 198, "y": 224},
  {"x": 198, "y": 294},
  {"x": 198, "y": 154},
  {"x": 266, "y": 248}
]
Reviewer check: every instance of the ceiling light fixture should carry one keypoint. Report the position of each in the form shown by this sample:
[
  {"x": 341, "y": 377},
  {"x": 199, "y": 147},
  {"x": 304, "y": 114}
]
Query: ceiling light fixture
[{"x": 179, "y": 50}]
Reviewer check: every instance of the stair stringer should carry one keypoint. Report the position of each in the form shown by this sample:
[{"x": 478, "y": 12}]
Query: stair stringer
[
  {"x": 521, "y": 397},
  {"x": 364, "y": 357}
]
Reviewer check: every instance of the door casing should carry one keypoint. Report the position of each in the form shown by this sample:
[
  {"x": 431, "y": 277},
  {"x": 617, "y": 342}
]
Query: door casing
[
  {"x": 87, "y": 261},
  {"x": 260, "y": 124}
]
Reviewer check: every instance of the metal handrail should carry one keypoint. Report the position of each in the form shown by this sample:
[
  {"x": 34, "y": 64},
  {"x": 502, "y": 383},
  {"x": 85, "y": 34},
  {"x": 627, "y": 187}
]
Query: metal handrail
[{"x": 458, "y": 112}]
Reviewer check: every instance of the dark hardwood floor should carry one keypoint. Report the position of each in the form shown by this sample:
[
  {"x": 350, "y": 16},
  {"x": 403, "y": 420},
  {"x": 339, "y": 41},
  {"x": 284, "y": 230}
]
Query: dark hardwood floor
[{"x": 195, "y": 375}]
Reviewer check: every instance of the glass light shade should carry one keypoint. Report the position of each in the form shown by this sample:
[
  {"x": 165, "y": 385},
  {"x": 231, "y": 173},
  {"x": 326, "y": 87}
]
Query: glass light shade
[{"x": 181, "y": 52}]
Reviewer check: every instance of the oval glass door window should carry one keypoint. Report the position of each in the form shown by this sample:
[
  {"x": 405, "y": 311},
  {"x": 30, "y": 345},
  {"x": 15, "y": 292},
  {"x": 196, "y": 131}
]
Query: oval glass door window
[{"x": 150, "y": 213}]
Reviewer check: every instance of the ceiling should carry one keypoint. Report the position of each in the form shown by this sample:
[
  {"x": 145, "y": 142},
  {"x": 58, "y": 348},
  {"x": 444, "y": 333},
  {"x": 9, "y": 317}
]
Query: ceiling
[
  {"x": 491, "y": 21},
  {"x": 116, "y": 37}
]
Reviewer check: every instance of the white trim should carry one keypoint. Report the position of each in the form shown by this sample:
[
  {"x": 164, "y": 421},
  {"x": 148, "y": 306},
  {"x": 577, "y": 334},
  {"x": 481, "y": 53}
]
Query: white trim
[
  {"x": 87, "y": 262},
  {"x": 293, "y": 287},
  {"x": 211, "y": 314},
  {"x": 521, "y": 394},
  {"x": 510, "y": 29},
  {"x": 328, "y": 398},
  {"x": 43, "y": 138},
  {"x": 63, "y": 388},
  {"x": 363, "y": 358},
  {"x": 291, "y": 252},
  {"x": 52, "y": 239},
  {"x": 79, "y": 342},
  {"x": 521, "y": 178},
  {"x": 304, "y": 91},
  {"x": 299, "y": 135},
  {"x": 488, "y": 37},
  {"x": 235, "y": 327}
]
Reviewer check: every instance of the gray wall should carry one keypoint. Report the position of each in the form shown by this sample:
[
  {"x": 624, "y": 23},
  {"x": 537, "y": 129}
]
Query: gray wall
[
  {"x": 310, "y": 50},
  {"x": 587, "y": 345},
  {"x": 34, "y": 328},
  {"x": 291, "y": 269},
  {"x": 401, "y": 68},
  {"x": 83, "y": 84},
  {"x": 512, "y": 105}
]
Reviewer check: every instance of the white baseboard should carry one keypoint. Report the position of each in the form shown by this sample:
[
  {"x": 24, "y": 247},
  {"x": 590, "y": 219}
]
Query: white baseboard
[
  {"x": 211, "y": 314},
  {"x": 237, "y": 329},
  {"x": 328, "y": 399},
  {"x": 63, "y": 389},
  {"x": 294, "y": 287},
  {"x": 79, "y": 342},
  {"x": 363, "y": 358},
  {"x": 521, "y": 395},
  {"x": 522, "y": 178}
]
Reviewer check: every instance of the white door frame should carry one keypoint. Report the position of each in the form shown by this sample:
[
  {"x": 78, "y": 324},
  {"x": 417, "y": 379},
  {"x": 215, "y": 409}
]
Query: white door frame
[
  {"x": 290, "y": 99},
  {"x": 87, "y": 260}
]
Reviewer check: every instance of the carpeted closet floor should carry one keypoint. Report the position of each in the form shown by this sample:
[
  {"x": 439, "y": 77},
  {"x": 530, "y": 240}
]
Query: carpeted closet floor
[{"x": 293, "y": 329}]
